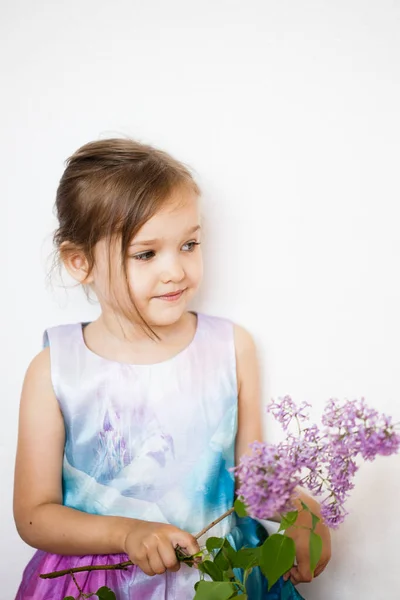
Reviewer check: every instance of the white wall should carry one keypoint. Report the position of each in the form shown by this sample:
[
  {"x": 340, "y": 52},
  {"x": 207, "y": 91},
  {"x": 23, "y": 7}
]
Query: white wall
[{"x": 289, "y": 112}]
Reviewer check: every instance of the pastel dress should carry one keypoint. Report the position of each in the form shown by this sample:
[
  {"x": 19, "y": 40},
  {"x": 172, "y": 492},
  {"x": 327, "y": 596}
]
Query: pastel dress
[{"x": 152, "y": 442}]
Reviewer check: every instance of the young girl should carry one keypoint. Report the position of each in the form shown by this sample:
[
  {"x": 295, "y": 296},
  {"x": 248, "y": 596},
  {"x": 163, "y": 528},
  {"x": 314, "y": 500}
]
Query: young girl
[{"x": 129, "y": 424}]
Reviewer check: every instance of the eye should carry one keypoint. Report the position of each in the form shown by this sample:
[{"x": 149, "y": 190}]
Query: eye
[
  {"x": 144, "y": 256},
  {"x": 190, "y": 246}
]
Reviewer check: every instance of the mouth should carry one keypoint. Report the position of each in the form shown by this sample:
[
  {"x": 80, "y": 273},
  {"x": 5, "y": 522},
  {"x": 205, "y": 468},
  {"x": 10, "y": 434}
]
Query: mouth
[{"x": 171, "y": 297}]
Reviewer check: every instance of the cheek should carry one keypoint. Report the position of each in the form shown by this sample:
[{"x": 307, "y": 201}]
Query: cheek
[
  {"x": 198, "y": 269},
  {"x": 141, "y": 279}
]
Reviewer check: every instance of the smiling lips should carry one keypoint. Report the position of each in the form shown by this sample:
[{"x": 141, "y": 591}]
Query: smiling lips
[{"x": 171, "y": 297}]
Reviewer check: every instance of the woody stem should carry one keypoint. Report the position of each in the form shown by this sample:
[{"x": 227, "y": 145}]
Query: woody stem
[{"x": 123, "y": 565}]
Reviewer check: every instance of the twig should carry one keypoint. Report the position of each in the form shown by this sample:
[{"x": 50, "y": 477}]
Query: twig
[
  {"x": 203, "y": 531},
  {"x": 128, "y": 563},
  {"x": 77, "y": 584},
  {"x": 115, "y": 567}
]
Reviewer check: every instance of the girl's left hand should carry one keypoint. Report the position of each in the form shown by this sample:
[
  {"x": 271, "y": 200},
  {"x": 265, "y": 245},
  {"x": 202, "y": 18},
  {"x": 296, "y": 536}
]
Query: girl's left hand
[{"x": 301, "y": 573}]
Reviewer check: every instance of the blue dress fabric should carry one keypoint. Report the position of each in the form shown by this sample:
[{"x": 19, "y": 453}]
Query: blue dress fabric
[
  {"x": 249, "y": 533},
  {"x": 153, "y": 442}
]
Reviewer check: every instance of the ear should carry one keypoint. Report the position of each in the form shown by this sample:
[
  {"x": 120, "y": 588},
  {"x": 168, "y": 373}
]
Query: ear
[{"x": 76, "y": 263}]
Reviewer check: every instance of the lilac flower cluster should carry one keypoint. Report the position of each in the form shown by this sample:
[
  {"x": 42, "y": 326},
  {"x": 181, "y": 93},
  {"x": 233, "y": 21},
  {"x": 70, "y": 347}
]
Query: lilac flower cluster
[
  {"x": 322, "y": 460},
  {"x": 268, "y": 480}
]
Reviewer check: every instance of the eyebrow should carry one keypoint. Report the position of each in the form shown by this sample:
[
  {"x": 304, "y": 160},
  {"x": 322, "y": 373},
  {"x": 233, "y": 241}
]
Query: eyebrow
[{"x": 151, "y": 242}]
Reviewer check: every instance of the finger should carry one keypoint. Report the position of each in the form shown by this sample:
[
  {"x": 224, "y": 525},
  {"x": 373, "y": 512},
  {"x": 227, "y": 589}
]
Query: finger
[
  {"x": 144, "y": 565},
  {"x": 168, "y": 556},
  {"x": 188, "y": 543},
  {"x": 320, "y": 568},
  {"x": 155, "y": 561},
  {"x": 294, "y": 576},
  {"x": 301, "y": 575}
]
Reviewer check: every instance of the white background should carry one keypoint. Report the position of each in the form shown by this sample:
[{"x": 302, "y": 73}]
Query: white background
[{"x": 289, "y": 113}]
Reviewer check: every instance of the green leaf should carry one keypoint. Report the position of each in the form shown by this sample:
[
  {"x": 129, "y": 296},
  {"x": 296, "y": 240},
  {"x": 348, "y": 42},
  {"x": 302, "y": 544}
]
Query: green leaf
[
  {"x": 288, "y": 520},
  {"x": 201, "y": 567},
  {"x": 228, "y": 552},
  {"x": 240, "y": 508},
  {"x": 291, "y": 516},
  {"x": 277, "y": 556},
  {"x": 104, "y": 593},
  {"x": 246, "y": 558},
  {"x": 315, "y": 550},
  {"x": 211, "y": 590},
  {"x": 305, "y": 507},
  {"x": 213, "y": 570},
  {"x": 315, "y": 520},
  {"x": 222, "y": 561},
  {"x": 69, "y": 598},
  {"x": 228, "y": 575},
  {"x": 214, "y": 543}
]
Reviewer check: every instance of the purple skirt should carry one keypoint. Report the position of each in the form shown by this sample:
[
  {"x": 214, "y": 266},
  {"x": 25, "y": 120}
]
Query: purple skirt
[
  {"x": 133, "y": 584},
  {"x": 127, "y": 584}
]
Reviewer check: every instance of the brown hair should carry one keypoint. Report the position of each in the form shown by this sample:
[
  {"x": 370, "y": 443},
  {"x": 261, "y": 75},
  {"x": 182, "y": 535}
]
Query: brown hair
[{"x": 111, "y": 188}]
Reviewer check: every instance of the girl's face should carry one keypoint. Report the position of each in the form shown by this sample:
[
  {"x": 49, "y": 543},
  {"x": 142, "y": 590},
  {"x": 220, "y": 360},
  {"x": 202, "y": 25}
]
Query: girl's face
[{"x": 164, "y": 264}]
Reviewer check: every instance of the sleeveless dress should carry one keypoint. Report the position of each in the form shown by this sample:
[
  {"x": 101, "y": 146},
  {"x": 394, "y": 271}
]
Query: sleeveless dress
[{"x": 152, "y": 442}]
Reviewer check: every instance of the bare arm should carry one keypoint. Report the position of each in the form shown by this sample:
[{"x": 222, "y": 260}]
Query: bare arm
[
  {"x": 250, "y": 418},
  {"x": 41, "y": 519},
  {"x": 249, "y": 412}
]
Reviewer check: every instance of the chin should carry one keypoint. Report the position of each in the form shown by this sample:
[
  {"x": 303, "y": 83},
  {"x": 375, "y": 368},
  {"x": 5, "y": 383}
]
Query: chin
[{"x": 165, "y": 316}]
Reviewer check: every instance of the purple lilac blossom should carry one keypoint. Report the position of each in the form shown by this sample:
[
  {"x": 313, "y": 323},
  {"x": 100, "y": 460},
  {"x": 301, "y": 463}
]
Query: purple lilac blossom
[
  {"x": 268, "y": 480},
  {"x": 321, "y": 460}
]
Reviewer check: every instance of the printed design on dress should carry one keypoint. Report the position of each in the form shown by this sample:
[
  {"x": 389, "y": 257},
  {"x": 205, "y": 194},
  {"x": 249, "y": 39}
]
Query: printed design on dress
[
  {"x": 133, "y": 452},
  {"x": 112, "y": 451}
]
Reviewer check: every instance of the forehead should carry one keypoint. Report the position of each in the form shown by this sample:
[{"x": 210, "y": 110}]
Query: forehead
[{"x": 180, "y": 213}]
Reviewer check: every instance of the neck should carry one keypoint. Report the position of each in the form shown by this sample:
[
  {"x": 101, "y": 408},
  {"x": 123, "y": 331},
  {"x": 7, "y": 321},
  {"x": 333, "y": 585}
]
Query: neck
[{"x": 119, "y": 329}]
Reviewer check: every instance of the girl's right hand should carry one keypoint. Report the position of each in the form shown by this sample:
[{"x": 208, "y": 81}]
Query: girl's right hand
[{"x": 151, "y": 546}]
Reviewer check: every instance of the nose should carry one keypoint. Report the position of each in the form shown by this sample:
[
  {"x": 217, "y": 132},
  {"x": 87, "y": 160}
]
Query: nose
[{"x": 172, "y": 270}]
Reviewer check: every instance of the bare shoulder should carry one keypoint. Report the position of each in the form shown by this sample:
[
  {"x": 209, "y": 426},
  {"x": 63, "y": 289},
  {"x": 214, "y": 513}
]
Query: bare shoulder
[
  {"x": 245, "y": 347},
  {"x": 40, "y": 363},
  {"x": 39, "y": 370},
  {"x": 246, "y": 354},
  {"x": 244, "y": 341},
  {"x": 39, "y": 405}
]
